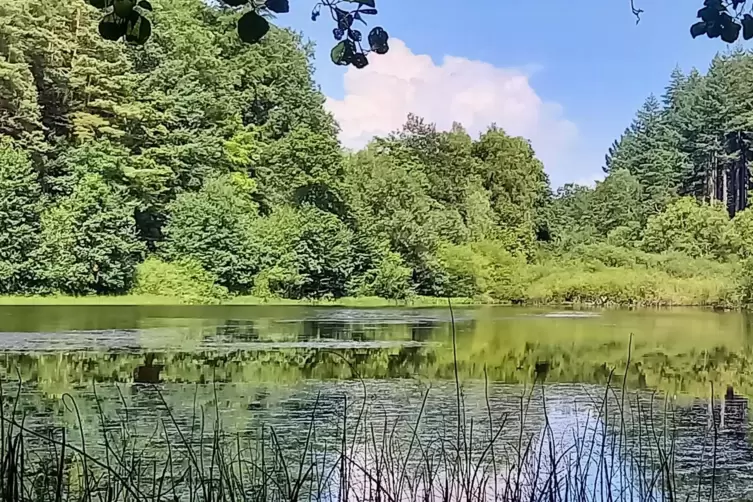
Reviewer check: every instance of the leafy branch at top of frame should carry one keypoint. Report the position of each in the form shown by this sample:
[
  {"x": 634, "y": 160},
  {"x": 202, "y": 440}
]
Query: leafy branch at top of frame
[
  {"x": 724, "y": 19},
  {"x": 128, "y": 19}
]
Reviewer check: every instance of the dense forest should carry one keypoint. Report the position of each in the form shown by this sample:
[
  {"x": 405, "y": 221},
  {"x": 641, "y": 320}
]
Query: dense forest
[{"x": 202, "y": 168}]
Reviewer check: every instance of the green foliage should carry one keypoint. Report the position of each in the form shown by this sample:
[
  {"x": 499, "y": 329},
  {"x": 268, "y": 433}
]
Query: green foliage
[
  {"x": 89, "y": 241},
  {"x": 745, "y": 285},
  {"x": 128, "y": 19},
  {"x": 184, "y": 280},
  {"x": 482, "y": 269},
  {"x": 323, "y": 251},
  {"x": 213, "y": 226},
  {"x": 19, "y": 220},
  {"x": 218, "y": 159},
  {"x": 389, "y": 278},
  {"x": 698, "y": 230},
  {"x": 305, "y": 253},
  {"x": 743, "y": 227}
]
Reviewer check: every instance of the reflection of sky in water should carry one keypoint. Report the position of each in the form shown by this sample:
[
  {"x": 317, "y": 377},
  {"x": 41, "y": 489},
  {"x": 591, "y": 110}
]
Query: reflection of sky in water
[
  {"x": 393, "y": 406},
  {"x": 485, "y": 337}
]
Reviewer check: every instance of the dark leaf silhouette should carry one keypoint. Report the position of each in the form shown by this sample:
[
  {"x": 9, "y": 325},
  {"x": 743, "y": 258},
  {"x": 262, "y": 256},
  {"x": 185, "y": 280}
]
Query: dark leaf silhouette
[
  {"x": 100, "y": 4},
  {"x": 731, "y": 32},
  {"x": 698, "y": 29},
  {"x": 708, "y": 14},
  {"x": 112, "y": 27},
  {"x": 252, "y": 27},
  {"x": 123, "y": 8},
  {"x": 355, "y": 35},
  {"x": 747, "y": 26},
  {"x": 138, "y": 30},
  {"x": 359, "y": 60},
  {"x": 124, "y": 19},
  {"x": 278, "y": 6},
  {"x": 723, "y": 19},
  {"x": 344, "y": 19},
  {"x": 714, "y": 4},
  {"x": 378, "y": 40},
  {"x": 714, "y": 30}
]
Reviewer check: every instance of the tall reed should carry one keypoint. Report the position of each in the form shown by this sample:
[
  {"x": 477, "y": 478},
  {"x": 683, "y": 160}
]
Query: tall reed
[{"x": 623, "y": 450}]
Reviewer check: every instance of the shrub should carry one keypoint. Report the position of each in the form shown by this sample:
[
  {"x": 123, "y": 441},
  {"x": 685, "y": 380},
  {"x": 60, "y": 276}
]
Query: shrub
[
  {"x": 391, "y": 279},
  {"x": 304, "y": 253},
  {"x": 483, "y": 268},
  {"x": 465, "y": 271},
  {"x": 19, "y": 220},
  {"x": 743, "y": 224},
  {"x": 212, "y": 227},
  {"x": 184, "y": 280},
  {"x": 687, "y": 226},
  {"x": 89, "y": 240}
]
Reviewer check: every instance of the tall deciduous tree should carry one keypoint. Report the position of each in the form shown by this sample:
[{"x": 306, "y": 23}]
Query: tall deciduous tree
[{"x": 20, "y": 205}]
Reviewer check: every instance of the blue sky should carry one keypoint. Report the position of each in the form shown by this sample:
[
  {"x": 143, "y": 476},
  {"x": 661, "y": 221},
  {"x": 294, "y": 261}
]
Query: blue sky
[{"x": 571, "y": 78}]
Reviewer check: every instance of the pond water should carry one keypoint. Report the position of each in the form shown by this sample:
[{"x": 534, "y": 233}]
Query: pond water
[{"x": 281, "y": 366}]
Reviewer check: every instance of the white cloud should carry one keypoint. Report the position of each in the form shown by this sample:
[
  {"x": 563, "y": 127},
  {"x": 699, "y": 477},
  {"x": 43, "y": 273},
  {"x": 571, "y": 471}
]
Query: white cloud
[{"x": 378, "y": 99}]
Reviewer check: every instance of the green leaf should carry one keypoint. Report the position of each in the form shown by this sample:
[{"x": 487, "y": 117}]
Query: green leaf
[
  {"x": 278, "y": 6},
  {"x": 342, "y": 53},
  {"x": 111, "y": 27},
  {"x": 698, "y": 28},
  {"x": 252, "y": 27},
  {"x": 139, "y": 30},
  {"x": 144, "y": 4},
  {"x": 747, "y": 26}
]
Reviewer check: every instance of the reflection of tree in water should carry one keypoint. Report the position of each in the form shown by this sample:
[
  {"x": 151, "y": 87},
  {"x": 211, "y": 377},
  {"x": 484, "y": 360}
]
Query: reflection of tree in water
[
  {"x": 238, "y": 329},
  {"x": 314, "y": 329}
]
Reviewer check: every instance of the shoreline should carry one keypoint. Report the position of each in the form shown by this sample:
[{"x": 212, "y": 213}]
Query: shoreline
[{"x": 345, "y": 302}]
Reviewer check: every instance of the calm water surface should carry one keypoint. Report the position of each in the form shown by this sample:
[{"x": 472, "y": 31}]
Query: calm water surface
[{"x": 270, "y": 365}]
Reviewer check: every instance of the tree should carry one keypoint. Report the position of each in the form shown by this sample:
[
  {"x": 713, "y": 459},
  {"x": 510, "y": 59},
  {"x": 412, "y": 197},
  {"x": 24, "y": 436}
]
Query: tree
[
  {"x": 389, "y": 202},
  {"x": 304, "y": 253},
  {"x": 572, "y": 215},
  {"x": 743, "y": 225},
  {"x": 515, "y": 180},
  {"x": 89, "y": 240},
  {"x": 389, "y": 278},
  {"x": 693, "y": 228},
  {"x": 214, "y": 227},
  {"x": 617, "y": 202},
  {"x": 649, "y": 151},
  {"x": 20, "y": 205}
]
